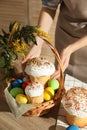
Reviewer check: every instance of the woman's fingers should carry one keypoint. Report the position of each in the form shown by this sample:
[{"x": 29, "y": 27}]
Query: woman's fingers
[{"x": 56, "y": 75}]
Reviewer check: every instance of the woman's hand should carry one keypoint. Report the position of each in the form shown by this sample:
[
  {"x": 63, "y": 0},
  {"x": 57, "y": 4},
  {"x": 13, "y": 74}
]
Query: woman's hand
[
  {"x": 65, "y": 57},
  {"x": 66, "y": 53},
  {"x": 35, "y": 50}
]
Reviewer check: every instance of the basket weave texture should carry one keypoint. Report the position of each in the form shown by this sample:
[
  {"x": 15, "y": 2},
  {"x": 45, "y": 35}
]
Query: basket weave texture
[{"x": 43, "y": 108}]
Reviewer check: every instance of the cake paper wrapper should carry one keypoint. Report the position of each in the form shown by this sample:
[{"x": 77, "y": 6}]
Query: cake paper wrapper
[{"x": 16, "y": 108}]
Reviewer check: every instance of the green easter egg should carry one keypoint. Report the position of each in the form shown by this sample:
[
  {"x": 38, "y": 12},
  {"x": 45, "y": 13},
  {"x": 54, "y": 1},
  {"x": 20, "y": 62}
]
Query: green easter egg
[
  {"x": 15, "y": 91},
  {"x": 53, "y": 83}
]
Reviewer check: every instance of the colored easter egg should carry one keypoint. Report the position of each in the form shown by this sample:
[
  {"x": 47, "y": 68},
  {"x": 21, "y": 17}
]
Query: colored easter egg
[
  {"x": 53, "y": 83},
  {"x": 48, "y": 93},
  {"x": 17, "y": 83},
  {"x": 25, "y": 84},
  {"x": 21, "y": 98},
  {"x": 73, "y": 127},
  {"x": 15, "y": 91}
]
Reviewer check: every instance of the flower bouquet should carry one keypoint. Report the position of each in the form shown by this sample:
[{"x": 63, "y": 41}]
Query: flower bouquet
[{"x": 15, "y": 42}]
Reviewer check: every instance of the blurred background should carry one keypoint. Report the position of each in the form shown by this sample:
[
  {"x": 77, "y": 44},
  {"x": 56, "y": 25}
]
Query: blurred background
[{"x": 24, "y": 12}]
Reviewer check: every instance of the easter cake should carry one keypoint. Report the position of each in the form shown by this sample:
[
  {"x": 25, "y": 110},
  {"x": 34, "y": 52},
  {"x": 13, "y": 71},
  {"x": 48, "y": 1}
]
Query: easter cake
[
  {"x": 34, "y": 92},
  {"x": 75, "y": 103},
  {"x": 39, "y": 69}
]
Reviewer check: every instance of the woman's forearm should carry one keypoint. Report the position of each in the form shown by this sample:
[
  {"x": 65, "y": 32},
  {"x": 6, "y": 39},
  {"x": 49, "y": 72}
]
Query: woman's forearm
[
  {"x": 46, "y": 19},
  {"x": 78, "y": 44}
]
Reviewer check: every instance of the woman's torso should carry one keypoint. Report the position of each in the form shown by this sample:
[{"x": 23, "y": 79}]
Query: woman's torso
[{"x": 72, "y": 25}]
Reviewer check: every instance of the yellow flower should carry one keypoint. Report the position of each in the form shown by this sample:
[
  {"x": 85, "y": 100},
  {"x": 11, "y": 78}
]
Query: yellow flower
[
  {"x": 18, "y": 47},
  {"x": 43, "y": 34}
]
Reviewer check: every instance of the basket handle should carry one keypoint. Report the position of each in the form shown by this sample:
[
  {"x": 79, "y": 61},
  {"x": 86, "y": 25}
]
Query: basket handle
[{"x": 60, "y": 64}]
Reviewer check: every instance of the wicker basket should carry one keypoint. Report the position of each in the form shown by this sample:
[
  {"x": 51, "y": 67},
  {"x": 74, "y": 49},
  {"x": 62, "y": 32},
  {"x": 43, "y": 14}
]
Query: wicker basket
[{"x": 43, "y": 108}]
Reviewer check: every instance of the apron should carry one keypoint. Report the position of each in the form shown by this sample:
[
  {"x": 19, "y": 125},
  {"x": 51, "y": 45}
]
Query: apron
[{"x": 72, "y": 25}]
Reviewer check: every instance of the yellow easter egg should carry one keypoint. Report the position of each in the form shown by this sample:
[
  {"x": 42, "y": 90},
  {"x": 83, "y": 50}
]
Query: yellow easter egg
[
  {"x": 21, "y": 98},
  {"x": 48, "y": 93}
]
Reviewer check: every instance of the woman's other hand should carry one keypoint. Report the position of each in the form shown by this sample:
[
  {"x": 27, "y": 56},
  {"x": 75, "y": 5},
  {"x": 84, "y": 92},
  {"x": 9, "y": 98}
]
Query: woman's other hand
[{"x": 65, "y": 57}]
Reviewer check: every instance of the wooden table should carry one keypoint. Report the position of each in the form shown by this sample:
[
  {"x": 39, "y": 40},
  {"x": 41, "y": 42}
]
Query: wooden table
[{"x": 9, "y": 122}]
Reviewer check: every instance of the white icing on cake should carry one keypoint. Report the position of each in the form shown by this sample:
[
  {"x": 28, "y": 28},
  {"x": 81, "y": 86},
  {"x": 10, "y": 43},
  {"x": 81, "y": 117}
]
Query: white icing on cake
[
  {"x": 34, "y": 89},
  {"x": 39, "y": 67},
  {"x": 75, "y": 101}
]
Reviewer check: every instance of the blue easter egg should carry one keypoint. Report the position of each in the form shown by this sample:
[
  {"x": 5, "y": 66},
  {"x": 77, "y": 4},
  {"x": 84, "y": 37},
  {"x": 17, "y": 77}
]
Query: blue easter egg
[
  {"x": 73, "y": 127},
  {"x": 17, "y": 83}
]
